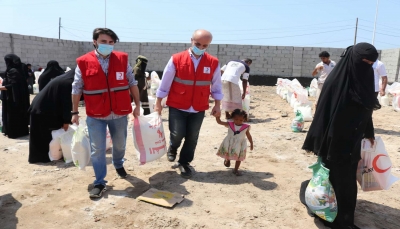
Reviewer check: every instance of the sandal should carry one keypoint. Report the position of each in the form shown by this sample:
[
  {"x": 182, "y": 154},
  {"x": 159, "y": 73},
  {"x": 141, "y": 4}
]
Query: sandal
[
  {"x": 227, "y": 163},
  {"x": 237, "y": 173}
]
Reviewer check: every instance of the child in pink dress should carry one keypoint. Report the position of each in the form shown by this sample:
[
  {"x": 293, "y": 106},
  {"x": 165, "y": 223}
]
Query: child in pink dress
[{"x": 234, "y": 146}]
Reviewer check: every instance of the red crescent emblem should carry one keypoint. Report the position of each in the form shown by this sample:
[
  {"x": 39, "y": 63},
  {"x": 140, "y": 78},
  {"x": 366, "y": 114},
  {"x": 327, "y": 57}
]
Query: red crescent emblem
[{"x": 375, "y": 166}]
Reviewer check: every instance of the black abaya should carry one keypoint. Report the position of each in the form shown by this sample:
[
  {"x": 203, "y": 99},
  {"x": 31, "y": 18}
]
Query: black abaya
[
  {"x": 15, "y": 99},
  {"x": 50, "y": 110},
  {"x": 342, "y": 119},
  {"x": 52, "y": 71}
]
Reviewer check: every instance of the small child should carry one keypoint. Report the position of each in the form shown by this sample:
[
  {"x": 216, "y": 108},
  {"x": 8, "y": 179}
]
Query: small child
[{"x": 234, "y": 146}]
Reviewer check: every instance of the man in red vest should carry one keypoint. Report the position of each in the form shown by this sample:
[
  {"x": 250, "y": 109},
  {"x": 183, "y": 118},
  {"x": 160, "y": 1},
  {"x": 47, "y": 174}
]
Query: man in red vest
[
  {"x": 188, "y": 80},
  {"x": 105, "y": 78}
]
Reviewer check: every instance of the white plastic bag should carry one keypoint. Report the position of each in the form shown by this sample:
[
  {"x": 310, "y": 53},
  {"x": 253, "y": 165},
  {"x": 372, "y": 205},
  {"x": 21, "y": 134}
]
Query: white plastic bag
[
  {"x": 396, "y": 102},
  {"x": 246, "y": 103},
  {"x": 312, "y": 92},
  {"x": 149, "y": 138},
  {"x": 383, "y": 100},
  {"x": 306, "y": 111},
  {"x": 155, "y": 83},
  {"x": 80, "y": 147},
  {"x": 374, "y": 169},
  {"x": 314, "y": 84},
  {"x": 66, "y": 140},
  {"x": 55, "y": 152}
]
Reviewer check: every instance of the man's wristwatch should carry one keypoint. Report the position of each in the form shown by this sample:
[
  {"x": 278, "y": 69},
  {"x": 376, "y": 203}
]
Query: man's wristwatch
[{"x": 74, "y": 112}]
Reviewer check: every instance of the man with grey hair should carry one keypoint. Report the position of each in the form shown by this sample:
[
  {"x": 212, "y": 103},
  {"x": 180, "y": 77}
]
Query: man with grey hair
[{"x": 188, "y": 80}]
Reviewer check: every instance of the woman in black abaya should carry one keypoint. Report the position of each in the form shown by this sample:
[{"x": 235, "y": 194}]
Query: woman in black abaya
[
  {"x": 342, "y": 119},
  {"x": 15, "y": 97},
  {"x": 50, "y": 110},
  {"x": 52, "y": 71}
]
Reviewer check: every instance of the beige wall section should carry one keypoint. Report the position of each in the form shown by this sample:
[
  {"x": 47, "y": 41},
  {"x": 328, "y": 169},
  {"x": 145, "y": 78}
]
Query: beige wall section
[{"x": 285, "y": 61}]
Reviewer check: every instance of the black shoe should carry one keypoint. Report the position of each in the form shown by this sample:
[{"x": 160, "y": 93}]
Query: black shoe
[
  {"x": 97, "y": 191},
  {"x": 171, "y": 154},
  {"x": 186, "y": 172},
  {"x": 121, "y": 172}
]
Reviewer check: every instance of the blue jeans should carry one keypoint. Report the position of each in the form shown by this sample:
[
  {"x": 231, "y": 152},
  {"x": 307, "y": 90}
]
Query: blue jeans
[
  {"x": 97, "y": 134},
  {"x": 184, "y": 125}
]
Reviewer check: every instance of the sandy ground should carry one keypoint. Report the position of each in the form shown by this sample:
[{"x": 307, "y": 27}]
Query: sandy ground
[{"x": 55, "y": 195}]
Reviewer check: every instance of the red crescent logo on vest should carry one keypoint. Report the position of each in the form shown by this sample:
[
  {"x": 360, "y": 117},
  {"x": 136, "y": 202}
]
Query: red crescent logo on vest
[{"x": 375, "y": 166}]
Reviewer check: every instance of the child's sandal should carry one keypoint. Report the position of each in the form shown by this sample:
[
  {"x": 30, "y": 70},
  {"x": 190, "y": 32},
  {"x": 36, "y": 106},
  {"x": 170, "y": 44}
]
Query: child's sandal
[{"x": 227, "y": 163}]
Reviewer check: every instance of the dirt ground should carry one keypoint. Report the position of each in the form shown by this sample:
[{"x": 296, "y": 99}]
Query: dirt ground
[{"x": 55, "y": 195}]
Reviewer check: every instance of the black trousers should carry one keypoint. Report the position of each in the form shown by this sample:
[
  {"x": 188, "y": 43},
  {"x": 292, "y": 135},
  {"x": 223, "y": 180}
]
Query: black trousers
[{"x": 144, "y": 99}]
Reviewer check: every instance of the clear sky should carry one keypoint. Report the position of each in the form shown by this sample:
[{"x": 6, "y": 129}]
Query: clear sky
[{"x": 258, "y": 22}]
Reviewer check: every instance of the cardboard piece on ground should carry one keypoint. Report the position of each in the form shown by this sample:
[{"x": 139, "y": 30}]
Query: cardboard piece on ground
[{"x": 162, "y": 198}]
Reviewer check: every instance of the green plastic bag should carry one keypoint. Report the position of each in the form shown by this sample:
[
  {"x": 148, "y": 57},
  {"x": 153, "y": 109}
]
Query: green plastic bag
[
  {"x": 298, "y": 122},
  {"x": 320, "y": 196}
]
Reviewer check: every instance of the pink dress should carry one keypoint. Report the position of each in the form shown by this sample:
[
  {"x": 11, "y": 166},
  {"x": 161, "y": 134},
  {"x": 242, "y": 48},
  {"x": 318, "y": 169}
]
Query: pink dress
[{"x": 234, "y": 146}]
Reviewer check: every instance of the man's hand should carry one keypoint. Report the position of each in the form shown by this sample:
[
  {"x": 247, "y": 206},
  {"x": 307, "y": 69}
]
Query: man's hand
[
  {"x": 75, "y": 119},
  {"x": 216, "y": 111},
  {"x": 243, "y": 96},
  {"x": 157, "y": 106},
  {"x": 136, "y": 112},
  {"x": 382, "y": 92}
]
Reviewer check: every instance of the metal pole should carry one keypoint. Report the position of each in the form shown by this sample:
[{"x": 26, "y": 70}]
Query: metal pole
[
  {"x": 59, "y": 28},
  {"x": 355, "y": 35},
  {"x": 376, "y": 18},
  {"x": 105, "y": 13}
]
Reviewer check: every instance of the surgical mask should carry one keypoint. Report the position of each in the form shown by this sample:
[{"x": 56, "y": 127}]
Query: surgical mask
[
  {"x": 198, "y": 51},
  {"x": 105, "y": 49}
]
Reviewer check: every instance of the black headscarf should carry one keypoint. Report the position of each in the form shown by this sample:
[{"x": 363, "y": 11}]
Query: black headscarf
[
  {"x": 55, "y": 99},
  {"x": 12, "y": 61},
  {"x": 344, "y": 110},
  {"x": 52, "y": 71}
]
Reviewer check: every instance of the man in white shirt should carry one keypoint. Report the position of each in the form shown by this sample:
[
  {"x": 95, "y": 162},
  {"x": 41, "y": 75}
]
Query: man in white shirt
[
  {"x": 324, "y": 68},
  {"x": 380, "y": 72},
  {"x": 230, "y": 84}
]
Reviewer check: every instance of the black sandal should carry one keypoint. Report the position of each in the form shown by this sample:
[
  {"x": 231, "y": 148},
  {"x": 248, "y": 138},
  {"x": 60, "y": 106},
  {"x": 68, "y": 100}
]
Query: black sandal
[{"x": 227, "y": 163}]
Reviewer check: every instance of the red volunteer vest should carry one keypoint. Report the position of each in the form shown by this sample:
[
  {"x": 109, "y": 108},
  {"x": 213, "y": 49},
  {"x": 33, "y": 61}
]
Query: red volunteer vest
[
  {"x": 190, "y": 87},
  {"x": 102, "y": 93}
]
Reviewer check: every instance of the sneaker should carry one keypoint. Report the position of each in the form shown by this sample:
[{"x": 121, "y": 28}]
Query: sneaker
[
  {"x": 171, "y": 154},
  {"x": 186, "y": 172},
  {"x": 97, "y": 191},
  {"x": 121, "y": 172}
]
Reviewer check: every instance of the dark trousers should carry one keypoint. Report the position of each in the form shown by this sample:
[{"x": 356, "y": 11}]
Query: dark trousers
[
  {"x": 344, "y": 182},
  {"x": 144, "y": 99},
  {"x": 184, "y": 125}
]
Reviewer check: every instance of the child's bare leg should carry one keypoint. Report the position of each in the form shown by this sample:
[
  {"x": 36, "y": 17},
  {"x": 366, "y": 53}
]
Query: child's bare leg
[{"x": 236, "y": 170}]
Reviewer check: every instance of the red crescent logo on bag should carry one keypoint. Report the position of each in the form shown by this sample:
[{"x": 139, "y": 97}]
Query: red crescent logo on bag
[{"x": 375, "y": 166}]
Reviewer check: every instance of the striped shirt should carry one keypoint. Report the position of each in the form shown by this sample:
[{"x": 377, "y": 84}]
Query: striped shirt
[{"x": 77, "y": 85}]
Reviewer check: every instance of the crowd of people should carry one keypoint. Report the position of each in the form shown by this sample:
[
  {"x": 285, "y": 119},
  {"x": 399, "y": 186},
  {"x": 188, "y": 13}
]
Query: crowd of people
[{"x": 347, "y": 97}]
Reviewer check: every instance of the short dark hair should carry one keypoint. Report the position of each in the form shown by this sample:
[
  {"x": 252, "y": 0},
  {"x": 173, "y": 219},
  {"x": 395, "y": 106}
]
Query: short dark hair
[
  {"x": 109, "y": 32},
  {"x": 248, "y": 60},
  {"x": 324, "y": 54},
  {"x": 28, "y": 65}
]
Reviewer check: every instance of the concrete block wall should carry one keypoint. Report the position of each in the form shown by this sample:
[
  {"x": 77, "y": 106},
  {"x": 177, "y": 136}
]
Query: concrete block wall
[
  {"x": 38, "y": 50},
  {"x": 282, "y": 61},
  {"x": 310, "y": 58},
  {"x": 391, "y": 59}
]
